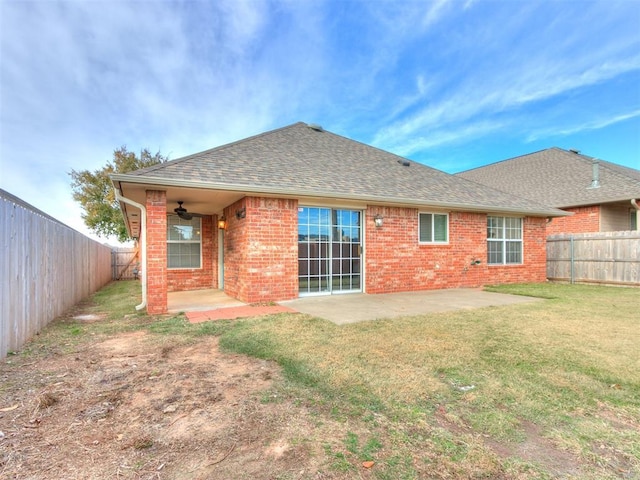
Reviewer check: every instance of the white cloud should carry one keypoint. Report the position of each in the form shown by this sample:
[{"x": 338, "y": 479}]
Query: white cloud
[
  {"x": 79, "y": 79},
  {"x": 429, "y": 139},
  {"x": 596, "y": 124},
  {"x": 87, "y": 77},
  {"x": 505, "y": 74}
]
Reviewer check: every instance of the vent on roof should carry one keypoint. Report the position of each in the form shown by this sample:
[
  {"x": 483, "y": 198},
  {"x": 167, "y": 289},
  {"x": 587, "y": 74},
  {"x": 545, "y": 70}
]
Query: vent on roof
[
  {"x": 595, "y": 178},
  {"x": 316, "y": 127},
  {"x": 404, "y": 162},
  {"x": 573, "y": 150}
]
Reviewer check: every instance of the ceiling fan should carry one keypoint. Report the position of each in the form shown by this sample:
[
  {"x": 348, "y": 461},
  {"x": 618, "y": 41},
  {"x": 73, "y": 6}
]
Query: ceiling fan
[{"x": 182, "y": 212}]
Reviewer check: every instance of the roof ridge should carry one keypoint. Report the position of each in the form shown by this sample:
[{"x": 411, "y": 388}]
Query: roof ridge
[
  {"x": 219, "y": 147},
  {"x": 506, "y": 160},
  {"x": 615, "y": 169},
  {"x": 386, "y": 152},
  {"x": 612, "y": 167},
  {"x": 243, "y": 140},
  {"x": 573, "y": 154}
]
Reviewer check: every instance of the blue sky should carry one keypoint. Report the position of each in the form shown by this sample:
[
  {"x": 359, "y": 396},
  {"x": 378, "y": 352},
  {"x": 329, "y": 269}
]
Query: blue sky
[{"x": 453, "y": 84}]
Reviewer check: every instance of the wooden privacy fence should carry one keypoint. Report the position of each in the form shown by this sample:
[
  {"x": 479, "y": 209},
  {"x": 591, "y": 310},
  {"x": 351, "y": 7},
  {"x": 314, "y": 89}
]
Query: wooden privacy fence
[
  {"x": 125, "y": 263},
  {"x": 607, "y": 258},
  {"x": 46, "y": 268}
]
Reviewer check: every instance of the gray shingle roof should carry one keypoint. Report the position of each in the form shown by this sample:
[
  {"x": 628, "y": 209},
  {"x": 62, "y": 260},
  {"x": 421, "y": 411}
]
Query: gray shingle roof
[
  {"x": 302, "y": 160},
  {"x": 561, "y": 178}
]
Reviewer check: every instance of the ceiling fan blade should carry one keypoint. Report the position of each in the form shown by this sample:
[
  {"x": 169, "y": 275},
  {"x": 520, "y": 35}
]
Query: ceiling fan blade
[{"x": 182, "y": 212}]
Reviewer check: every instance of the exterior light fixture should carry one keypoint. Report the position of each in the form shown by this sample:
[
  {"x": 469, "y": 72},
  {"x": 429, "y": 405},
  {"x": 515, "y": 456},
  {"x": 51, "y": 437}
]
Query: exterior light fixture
[
  {"x": 377, "y": 220},
  {"x": 222, "y": 223}
]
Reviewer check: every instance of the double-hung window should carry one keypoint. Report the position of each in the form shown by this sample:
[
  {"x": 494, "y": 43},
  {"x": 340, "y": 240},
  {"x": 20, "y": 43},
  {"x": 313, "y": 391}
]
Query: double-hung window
[
  {"x": 504, "y": 240},
  {"x": 433, "y": 228},
  {"x": 184, "y": 242}
]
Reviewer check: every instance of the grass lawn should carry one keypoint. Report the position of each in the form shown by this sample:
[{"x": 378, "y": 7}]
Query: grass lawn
[{"x": 542, "y": 390}]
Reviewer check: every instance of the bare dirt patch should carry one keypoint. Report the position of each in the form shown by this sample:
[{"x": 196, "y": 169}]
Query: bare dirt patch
[
  {"x": 141, "y": 405},
  {"x": 135, "y": 407}
]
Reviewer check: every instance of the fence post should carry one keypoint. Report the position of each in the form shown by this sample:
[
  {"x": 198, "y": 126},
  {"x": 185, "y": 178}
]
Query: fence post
[{"x": 572, "y": 259}]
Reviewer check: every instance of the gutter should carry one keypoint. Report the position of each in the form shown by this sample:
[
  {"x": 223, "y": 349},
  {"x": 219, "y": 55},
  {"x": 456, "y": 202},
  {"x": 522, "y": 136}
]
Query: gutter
[
  {"x": 394, "y": 201},
  {"x": 143, "y": 244}
]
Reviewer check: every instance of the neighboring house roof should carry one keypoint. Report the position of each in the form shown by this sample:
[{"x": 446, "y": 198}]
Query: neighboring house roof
[
  {"x": 560, "y": 178},
  {"x": 305, "y": 160}
]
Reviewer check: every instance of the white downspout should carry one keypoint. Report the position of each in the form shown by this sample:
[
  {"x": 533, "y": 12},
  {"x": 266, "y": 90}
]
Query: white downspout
[
  {"x": 143, "y": 244},
  {"x": 637, "y": 207}
]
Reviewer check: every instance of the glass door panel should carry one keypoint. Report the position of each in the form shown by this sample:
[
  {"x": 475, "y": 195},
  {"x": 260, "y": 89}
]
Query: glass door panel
[{"x": 329, "y": 250}]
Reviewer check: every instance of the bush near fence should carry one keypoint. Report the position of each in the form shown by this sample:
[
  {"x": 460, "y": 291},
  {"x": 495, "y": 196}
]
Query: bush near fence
[
  {"x": 611, "y": 258},
  {"x": 47, "y": 267}
]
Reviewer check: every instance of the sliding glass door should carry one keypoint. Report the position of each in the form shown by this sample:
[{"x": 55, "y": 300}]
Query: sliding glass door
[{"x": 329, "y": 250}]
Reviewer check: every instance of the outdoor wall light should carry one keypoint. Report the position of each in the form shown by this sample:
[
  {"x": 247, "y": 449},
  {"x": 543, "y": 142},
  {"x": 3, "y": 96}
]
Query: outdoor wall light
[
  {"x": 222, "y": 223},
  {"x": 377, "y": 220},
  {"x": 241, "y": 213}
]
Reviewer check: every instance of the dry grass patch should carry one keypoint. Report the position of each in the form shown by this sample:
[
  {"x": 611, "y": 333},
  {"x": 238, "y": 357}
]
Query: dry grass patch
[
  {"x": 534, "y": 374},
  {"x": 542, "y": 390}
]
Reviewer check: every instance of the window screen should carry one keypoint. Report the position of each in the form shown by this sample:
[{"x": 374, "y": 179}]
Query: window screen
[
  {"x": 433, "y": 228},
  {"x": 184, "y": 242}
]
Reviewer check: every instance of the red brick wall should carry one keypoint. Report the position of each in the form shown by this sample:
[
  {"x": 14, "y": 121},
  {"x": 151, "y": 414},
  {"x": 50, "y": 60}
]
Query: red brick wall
[
  {"x": 534, "y": 267},
  {"x": 235, "y": 242},
  {"x": 584, "y": 220},
  {"x": 199, "y": 278},
  {"x": 261, "y": 250},
  {"x": 156, "y": 252},
  {"x": 396, "y": 262},
  {"x": 261, "y": 253}
]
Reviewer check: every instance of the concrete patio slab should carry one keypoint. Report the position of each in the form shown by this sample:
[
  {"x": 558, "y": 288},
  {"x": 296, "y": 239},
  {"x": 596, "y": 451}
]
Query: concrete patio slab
[
  {"x": 358, "y": 307},
  {"x": 200, "y": 300}
]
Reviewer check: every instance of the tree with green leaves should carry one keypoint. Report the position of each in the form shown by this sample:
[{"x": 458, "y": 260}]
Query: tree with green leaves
[{"x": 95, "y": 194}]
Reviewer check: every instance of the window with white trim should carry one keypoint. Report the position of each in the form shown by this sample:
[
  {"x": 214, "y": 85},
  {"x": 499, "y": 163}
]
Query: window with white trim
[
  {"x": 433, "y": 228},
  {"x": 184, "y": 242},
  {"x": 504, "y": 240}
]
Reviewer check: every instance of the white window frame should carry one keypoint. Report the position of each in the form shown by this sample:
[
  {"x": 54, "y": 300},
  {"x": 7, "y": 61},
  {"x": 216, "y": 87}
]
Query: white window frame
[
  {"x": 170, "y": 242},
  {"x": 433, "y": 217},
  {"x": 504, "y": 241}
]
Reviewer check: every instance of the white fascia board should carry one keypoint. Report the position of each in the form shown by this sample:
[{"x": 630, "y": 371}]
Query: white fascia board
[{"x": 378, "y": 200}]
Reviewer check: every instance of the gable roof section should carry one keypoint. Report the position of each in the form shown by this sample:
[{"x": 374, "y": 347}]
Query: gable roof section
[
  {"x": 303, "y": 160},
  {"x": 559, "y": 177}
]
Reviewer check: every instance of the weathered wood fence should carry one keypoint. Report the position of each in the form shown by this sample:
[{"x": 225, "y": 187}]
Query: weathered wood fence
[
  {"x": 46, "y": 268},
  {"x": 607, "y": 258},
  {"x": 125, "y": 263}
]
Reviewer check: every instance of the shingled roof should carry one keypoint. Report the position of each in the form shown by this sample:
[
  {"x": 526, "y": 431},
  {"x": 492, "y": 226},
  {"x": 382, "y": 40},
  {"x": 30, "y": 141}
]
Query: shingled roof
[
  {"x": 305, "y": 160},
  {"x": 562, "y": 178}
]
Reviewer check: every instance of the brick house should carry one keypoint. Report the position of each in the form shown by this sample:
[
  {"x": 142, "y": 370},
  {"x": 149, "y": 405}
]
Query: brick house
[
  {"x": 301, "y": 211},
  {"x": 601, "y": 196}
]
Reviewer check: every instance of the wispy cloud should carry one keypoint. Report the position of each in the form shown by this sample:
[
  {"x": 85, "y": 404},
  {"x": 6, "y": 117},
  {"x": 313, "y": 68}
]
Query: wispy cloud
[
  {"x": 523, "y": 75},
  {"x": 596, "y": 124},
  {"x": 79, "y": 79},
  {"x": 438, "y": 137}
]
